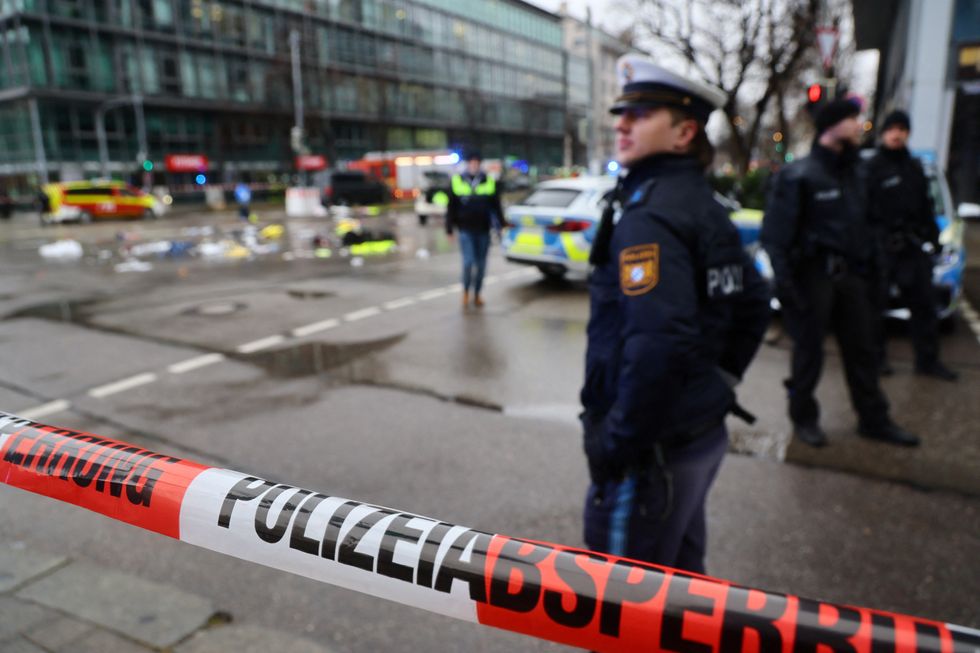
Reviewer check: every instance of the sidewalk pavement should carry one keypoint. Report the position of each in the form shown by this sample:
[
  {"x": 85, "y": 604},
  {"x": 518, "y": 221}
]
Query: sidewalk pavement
[{"x": 52, "y": 604}]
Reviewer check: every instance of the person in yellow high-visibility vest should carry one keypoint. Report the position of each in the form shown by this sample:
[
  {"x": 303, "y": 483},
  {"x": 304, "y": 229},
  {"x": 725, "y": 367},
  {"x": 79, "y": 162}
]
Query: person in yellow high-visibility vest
[{"x": 474, "y": 208}]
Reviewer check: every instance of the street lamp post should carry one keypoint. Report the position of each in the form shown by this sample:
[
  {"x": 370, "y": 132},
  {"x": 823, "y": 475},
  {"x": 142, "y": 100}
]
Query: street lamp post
[
  {"x": 297, "y": 135},
  {"x": 137, "y": 102}
]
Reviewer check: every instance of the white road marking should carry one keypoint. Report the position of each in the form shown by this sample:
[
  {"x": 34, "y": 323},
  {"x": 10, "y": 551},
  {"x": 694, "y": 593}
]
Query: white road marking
[
  {"x": 258, "y": 345},
  {"x": 322, "y": 325},
  {"x": 50, "y": 408},
  {"x": 432, "y": 294},
  {"x": 395, "y": 304},
  {"x": 123, "y": 385},
  {"x": 371, "y": 311},
  {"x": 205, "y": 360},
  {"x": 195, "y": 363}
]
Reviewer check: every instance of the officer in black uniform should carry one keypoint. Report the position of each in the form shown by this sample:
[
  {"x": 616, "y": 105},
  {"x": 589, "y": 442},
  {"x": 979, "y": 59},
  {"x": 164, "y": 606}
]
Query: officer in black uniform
[
  {"x": 906, "y": 235},
  {"x": 816, "y": 234},
  {"x": 677, "y": 313}
]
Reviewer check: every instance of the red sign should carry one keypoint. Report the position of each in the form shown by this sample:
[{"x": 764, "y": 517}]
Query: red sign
[
  {"x": 186, "y": 162},
  {"x": 311, "y": 162}
]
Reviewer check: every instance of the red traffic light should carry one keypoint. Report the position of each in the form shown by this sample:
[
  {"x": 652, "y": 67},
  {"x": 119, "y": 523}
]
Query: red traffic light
[{"x": 814, "y": 93}]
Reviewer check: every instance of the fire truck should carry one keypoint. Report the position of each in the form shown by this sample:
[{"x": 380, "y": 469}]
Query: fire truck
[{"x": 404, "y": 170}]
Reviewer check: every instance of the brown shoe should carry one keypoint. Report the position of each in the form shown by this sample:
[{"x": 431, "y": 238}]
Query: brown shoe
[
  {"x": 466, "y": 298},
  {"x": 477, "y": 301}
]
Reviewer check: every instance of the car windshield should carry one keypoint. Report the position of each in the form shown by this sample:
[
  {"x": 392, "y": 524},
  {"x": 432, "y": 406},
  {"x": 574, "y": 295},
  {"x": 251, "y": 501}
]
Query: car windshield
[{"x": 558, "y": 198}]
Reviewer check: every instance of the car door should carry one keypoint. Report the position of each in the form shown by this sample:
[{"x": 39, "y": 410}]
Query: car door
[{"x": 129, "y": 204}]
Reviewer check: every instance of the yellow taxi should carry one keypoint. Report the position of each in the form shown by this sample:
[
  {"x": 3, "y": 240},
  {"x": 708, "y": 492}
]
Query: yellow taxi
[{"x": 85, "y": 201}]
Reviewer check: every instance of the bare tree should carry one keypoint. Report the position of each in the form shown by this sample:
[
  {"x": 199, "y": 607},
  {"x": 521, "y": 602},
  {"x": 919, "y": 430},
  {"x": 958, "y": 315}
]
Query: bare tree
[{"x": 753, "y": 50}]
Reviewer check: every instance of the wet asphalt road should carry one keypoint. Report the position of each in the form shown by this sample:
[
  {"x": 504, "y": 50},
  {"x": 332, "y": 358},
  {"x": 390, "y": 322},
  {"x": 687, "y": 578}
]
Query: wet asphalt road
[{"x": 359, "y": 375}]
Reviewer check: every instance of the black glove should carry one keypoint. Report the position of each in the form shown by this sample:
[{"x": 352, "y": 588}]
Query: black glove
[{"x": 604, "y": 465}]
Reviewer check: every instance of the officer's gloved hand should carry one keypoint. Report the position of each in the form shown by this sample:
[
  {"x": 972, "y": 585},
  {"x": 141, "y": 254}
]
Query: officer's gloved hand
[{"x": 604, "y": 463}]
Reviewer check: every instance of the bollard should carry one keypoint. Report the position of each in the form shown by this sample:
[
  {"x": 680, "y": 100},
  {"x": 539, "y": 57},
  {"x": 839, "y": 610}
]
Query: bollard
[{"x": 560, "y": 593}]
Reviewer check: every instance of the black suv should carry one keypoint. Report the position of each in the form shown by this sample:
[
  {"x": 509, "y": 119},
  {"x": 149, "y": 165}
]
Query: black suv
[{"x": 352, "y": 187}]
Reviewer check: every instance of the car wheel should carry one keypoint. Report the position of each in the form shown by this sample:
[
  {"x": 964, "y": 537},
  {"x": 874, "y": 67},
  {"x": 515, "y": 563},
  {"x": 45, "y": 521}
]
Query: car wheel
[
  {"x": 85, "y": 217},
  {"x": 44, "y": 220},
  {"x": 148, "y": 214}
]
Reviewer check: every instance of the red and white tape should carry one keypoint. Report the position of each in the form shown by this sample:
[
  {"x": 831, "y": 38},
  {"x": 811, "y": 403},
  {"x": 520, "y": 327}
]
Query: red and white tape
[{"x": 554, "y": 592}]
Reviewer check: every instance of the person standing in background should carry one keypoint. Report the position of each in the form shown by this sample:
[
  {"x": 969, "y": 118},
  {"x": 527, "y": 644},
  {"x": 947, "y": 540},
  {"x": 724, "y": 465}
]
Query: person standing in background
[
  {"x": 474, "y": 209},
  {"x": 816, "y": 234},
  {"x": 906, "y": 235}
]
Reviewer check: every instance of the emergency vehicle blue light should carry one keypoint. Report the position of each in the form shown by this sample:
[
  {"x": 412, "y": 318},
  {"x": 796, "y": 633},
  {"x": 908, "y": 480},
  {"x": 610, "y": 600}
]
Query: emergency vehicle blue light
[
  {"x": 454, "y": 158},
  {"x": 612, "y": 167},
  {"x": 201, "y": 180}
]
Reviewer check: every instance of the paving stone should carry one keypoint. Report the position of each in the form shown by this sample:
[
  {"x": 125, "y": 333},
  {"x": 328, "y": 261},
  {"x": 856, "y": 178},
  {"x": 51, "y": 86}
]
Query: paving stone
[
  {"x": 102, "y": 641},
  {"x": 247, "y": 639},
  {"x": 20, "y": 645},
  {"x": 148, "y": 612},
  {"x": 19, "y": 565},
  {"x": 17, "y": 617},
  {"x": 56, "y": 634}
]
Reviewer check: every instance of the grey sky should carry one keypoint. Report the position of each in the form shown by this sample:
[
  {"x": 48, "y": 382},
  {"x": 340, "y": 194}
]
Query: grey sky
[
  {"x": 865, "y": 64},
  {"x": 578, "y": 7}
]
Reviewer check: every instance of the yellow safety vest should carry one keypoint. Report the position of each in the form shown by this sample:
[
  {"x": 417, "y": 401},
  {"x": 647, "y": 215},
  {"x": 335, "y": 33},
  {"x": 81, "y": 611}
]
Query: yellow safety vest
[{"x": 462, "y": 188}]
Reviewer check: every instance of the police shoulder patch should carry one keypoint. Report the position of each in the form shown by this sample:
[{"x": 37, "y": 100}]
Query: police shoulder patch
[{"x": 639, "y": 268}]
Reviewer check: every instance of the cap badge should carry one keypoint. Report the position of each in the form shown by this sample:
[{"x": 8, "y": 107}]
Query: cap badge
[{"x": 627, "y": 70}]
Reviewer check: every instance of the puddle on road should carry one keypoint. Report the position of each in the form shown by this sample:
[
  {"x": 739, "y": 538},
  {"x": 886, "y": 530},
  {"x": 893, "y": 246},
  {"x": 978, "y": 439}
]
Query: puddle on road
[
  {"x": 311, "y": 358},
  {"x": 62, "y": 310}
]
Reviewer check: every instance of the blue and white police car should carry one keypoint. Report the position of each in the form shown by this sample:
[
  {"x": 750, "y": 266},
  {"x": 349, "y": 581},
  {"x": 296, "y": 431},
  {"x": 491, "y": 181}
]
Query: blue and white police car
[{"x": 553, "y": 227}]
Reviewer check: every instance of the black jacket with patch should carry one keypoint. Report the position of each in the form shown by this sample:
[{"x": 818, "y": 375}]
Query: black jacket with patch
[
  {"x": 898, "y": 198},
  {"x": 677, "y": 308},
  {"x": 817, "y": 206}
]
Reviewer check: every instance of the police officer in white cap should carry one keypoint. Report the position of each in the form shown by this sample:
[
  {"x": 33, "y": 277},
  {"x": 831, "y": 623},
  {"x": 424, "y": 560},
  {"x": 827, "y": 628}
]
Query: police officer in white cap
[{"x": 677, "y": 313}]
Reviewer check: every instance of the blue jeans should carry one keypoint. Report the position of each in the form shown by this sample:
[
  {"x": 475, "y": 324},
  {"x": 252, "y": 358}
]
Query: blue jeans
[{"x": 474, "y": 246}]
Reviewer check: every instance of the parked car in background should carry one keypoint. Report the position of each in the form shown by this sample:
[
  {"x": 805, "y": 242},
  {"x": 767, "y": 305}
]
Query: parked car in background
[
  {"x": 553, "y": 227},
  {"x": 84, "y": 201},
  {"x": 433, "y": 196},
  {"x": 353, "y": 187}
]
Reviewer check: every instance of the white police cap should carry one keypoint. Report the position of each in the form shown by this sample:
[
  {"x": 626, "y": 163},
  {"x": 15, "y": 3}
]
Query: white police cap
[{"x": 643, "y": 83}]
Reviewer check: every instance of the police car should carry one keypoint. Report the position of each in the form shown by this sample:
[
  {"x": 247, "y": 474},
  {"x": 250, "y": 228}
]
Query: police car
[
  {"x": 950, "y": 261},
  {"x": 553, "y": 227}
]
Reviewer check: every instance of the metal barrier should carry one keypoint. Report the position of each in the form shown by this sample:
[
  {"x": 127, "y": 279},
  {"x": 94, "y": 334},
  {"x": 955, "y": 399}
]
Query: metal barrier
[{"x": 554, "y": 592}]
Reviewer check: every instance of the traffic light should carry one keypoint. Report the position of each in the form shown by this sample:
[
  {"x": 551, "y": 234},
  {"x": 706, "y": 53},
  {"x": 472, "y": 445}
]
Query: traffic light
[
  {"x": 147, "y": 165},
  {"x": 814, "y": 93}
]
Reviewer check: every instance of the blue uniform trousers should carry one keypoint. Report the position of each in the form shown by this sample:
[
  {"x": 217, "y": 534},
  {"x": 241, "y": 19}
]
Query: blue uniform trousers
[{"x": 658, "y": 515}]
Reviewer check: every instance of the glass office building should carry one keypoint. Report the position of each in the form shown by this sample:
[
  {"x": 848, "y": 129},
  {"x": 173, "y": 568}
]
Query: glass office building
[{"x": 215, "y": 78}]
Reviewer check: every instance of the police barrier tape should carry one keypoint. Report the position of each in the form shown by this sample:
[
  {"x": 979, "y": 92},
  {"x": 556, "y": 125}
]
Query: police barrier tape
[{"x": 545, "y": 590}]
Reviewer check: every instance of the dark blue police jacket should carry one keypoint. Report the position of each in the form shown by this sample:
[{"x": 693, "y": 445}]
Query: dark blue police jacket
[{"x": 677, "y": 311}]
